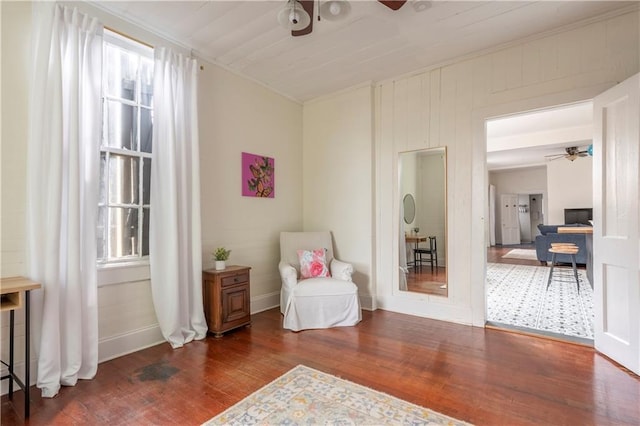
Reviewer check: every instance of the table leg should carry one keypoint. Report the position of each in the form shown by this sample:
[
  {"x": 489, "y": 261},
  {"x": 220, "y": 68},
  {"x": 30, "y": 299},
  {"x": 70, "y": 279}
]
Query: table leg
[
  {"x": 11, "y": 333},
  {"x": 27, "y": 358},
  {"x": 553, "y": 262},
  {"x": 575, "y": 271}
]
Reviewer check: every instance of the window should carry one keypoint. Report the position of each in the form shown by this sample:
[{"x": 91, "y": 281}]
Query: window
[{"x": 125, "y": 150}]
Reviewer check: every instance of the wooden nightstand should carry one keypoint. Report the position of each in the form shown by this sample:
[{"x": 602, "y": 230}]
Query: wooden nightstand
[{"x": 226, "y": 297}]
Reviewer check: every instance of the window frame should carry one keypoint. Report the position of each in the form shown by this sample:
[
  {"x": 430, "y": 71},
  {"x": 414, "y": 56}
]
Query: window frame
[{"x": 106, "y": 263}]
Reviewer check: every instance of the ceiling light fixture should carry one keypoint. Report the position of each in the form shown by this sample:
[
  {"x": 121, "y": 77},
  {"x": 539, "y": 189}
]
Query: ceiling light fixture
[
  {"x": 293, "y": 16},
  {"x": 420, "y": 5},
  {"x": 334, "y": 10}
]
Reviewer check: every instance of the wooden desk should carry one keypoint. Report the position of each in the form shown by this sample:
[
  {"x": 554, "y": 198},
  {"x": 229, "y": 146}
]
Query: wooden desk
[{"x": 14, "y": 293}]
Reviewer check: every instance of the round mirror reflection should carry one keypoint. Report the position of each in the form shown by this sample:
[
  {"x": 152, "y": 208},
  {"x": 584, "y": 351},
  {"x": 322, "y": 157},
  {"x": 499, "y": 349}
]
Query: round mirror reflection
[{"x": 409, "y": 207}]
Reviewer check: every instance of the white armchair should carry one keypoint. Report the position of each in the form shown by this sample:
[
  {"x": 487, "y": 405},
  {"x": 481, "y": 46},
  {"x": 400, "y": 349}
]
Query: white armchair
[{"x": 315, "y": 302}]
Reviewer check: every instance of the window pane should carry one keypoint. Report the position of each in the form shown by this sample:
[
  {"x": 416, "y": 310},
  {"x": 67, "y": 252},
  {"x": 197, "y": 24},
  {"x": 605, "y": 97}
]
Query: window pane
[
  {"x": 146, "y": 129},
  {"x": 123, "y": 232},
  {"x": 119, "y": 125},
  {"x": 102, "y": 197},
  {"x": 146, "y": 181},
  {"x": 145, "y": 232},
  {"x": 102, "y": 243},
  {"x": 123, "y": 179},
  {"x": 146, "y": 81},
  {"x": 120, "y": 72}
]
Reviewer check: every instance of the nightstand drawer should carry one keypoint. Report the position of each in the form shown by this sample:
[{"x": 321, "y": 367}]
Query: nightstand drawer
[{"x": 235, "y": 279}]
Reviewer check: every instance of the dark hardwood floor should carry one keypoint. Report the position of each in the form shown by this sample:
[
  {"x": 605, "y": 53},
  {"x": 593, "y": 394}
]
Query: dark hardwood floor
[
  {"x": 427, "y": 280},
  {"x": 483, "y": 376}
]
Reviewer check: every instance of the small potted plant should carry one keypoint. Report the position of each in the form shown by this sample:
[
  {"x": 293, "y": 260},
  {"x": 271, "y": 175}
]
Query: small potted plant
[{"x": 220, "y": 255}]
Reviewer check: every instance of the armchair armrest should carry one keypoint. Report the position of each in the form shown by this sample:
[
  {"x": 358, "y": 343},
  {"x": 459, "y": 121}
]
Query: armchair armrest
[
  {"x": 288, "y": 274},
  {"x": 341, "y": 270}
]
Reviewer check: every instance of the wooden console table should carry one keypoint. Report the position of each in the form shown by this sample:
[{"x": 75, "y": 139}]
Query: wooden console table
[{"x": 15, "y": 292}]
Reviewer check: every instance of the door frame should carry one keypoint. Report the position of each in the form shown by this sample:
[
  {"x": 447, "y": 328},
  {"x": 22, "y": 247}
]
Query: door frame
[{"x": 480, "y": 179}]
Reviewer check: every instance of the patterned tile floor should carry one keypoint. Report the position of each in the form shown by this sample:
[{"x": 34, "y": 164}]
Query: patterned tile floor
[{"x": 517, "y": 295}]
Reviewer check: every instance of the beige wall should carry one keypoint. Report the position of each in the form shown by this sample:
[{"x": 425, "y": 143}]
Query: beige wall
[
  {"x": 238, "y": 116},
  {"x": 448, "y": 106},
  {"x": 16, "y": 17},
  {"x": 235, "y": 115},
  {"x": 337, "y": 175},
  {"x": 570, "y": 186},
  {"x": 16, "y": 43},
  {"x": 529, "y": 180},
  {"x": 564, "y": 185},
  {"x": 328, "y": 151}
]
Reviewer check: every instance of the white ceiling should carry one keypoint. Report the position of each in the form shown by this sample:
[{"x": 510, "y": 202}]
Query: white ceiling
[
  {"x": 525, "y": 140},
  {"x": 372, "y": 44}
]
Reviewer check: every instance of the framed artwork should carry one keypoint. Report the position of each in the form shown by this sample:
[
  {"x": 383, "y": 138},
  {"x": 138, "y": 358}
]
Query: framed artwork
[{"x": 258, "y": 176}]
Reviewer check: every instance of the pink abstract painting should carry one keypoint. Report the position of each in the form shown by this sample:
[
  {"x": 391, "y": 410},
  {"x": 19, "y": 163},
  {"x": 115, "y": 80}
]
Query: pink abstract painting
[{"x": 258, "y": 176}]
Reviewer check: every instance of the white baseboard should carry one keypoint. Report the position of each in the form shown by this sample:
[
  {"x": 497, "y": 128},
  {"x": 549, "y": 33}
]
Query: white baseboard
[
  {"x": 366, "y": 302},
  {"x": 265, "y": 302},
  {"x": 132, "y": 341}
]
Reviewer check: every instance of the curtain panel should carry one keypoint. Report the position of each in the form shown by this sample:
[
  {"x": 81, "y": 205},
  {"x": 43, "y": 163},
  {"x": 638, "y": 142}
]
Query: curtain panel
[
  {"x": 175, "y": 249},
  {"x": 62, "y": 193}
]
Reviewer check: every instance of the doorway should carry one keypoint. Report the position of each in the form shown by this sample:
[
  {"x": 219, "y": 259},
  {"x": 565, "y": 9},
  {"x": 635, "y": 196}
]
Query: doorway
[{"x": 516, "y": 291}]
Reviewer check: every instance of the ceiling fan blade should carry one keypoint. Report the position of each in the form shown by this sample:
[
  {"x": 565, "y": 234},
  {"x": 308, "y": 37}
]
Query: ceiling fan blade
[
  {"x": 393, "y": 4},
  {"x": 555, "y": 156},
  {"x": 307, "y": 5}
]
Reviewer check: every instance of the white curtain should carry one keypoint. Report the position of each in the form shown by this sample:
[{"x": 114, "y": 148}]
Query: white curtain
[
  {"x": 62, "y": 193},
  {"x": 174, "y": 234}
]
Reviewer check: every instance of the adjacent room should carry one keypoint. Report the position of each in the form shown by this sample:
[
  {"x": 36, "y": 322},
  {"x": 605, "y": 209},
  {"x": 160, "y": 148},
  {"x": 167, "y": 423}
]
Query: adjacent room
[
  {"x": 287, "y": 211},
  {"x": 540, "y": 174}
]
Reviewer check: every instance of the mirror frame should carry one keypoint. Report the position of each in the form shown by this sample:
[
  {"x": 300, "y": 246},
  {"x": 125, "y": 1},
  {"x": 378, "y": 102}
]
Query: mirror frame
[
  {"x": 408, "y": 198},
  {"x": 442, "y": 245}
]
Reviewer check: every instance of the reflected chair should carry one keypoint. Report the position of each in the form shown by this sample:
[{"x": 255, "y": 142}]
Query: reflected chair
[
  {"x": 321, "y": 302},
  {"x": 431, "y": 252}
]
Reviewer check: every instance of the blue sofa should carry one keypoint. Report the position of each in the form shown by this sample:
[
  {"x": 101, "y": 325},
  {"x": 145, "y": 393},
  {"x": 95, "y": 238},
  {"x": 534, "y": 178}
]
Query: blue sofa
[{"x": 549, "y": 234}]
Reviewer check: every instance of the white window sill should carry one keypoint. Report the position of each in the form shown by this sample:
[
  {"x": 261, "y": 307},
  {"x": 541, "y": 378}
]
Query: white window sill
[{"x": 120, "y": 273}]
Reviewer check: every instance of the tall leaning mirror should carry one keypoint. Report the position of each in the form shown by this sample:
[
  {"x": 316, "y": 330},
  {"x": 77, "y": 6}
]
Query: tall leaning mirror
[{"x": 423, "y": 221}]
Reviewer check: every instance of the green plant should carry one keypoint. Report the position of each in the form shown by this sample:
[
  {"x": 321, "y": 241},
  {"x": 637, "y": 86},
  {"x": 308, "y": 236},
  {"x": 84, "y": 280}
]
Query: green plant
[{"x": 221, "y": 253}]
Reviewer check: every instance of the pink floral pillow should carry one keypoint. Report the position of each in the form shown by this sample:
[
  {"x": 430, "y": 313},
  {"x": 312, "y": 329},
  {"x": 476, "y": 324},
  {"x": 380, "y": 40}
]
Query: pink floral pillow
[{"x": 313, "y": 263}]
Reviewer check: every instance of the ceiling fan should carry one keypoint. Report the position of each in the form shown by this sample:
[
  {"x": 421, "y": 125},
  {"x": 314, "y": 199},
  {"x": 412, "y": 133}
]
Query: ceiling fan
[
  {"x": 571, "y": 153},
  {"x": 297, "y": 14}
]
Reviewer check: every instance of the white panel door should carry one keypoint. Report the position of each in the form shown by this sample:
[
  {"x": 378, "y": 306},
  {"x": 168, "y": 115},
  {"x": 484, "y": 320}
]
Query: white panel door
[
  {"x": 509, "y": 218},
  {"x": 616, "y": 238}
]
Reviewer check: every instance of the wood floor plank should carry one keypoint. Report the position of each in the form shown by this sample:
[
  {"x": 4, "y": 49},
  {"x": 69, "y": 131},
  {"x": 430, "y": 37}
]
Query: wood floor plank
[{"x": 482, "y": 376}]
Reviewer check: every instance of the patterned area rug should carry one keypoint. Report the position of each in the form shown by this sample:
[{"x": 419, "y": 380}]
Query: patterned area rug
[
  {"x": 526, "y": 254},
  {"x": 307, "y": 396},
  {"x": 517, "y": 295}
]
